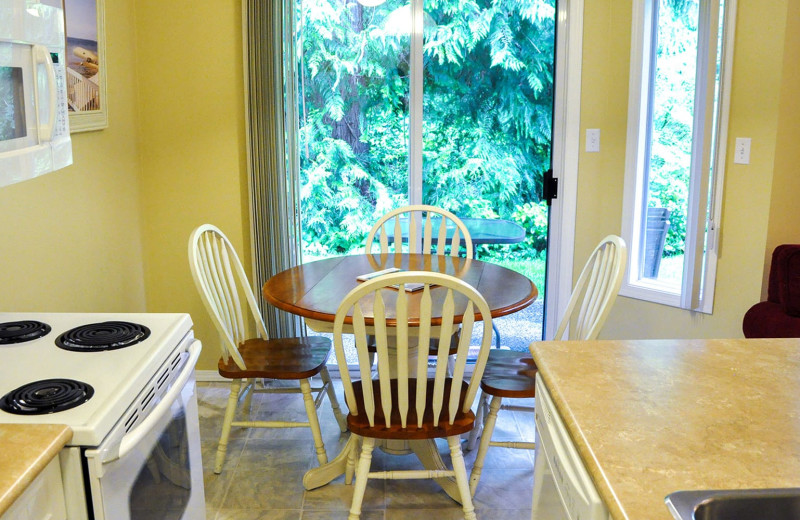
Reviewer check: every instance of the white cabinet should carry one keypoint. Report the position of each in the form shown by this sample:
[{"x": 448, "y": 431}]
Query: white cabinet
[
  {"x": 43, "y": 499},
  {"x": 558, "y": 468}
]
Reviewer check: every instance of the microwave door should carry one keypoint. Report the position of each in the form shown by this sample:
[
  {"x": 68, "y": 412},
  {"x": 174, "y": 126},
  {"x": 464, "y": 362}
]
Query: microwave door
[{"x": 18, "y": 128}]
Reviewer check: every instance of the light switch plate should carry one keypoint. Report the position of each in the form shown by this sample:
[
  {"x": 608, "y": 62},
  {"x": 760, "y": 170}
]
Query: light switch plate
[
  {"x": 592, "y": 139},
  {"x": 741, "y": 154}
]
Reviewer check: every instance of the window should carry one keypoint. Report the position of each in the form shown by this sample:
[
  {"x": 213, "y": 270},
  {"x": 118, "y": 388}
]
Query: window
[{"x": 680, "y": 65}]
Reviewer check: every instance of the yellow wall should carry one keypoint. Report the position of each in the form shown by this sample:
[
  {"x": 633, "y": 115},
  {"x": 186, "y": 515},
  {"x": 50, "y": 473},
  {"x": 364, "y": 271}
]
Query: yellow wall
[
  {"x": 193, "y": 163},
  {"x": 70, "y": 241},
  {"x": 784, "y": 221},
  {"x": 758, "y": 68}
]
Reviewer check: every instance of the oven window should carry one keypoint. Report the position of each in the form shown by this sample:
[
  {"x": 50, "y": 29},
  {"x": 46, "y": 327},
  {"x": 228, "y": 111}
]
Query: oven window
[
  {"x": 12, "y": 104},
  {"x": 163, "y": 486}
]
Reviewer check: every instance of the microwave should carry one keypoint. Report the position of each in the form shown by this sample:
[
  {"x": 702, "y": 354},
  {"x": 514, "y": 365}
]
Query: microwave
[{"x": 34, "y": 122}]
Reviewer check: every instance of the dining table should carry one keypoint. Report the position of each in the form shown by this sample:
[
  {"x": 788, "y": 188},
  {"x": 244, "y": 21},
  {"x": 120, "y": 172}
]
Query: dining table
[{"x": 315, "y": 289}]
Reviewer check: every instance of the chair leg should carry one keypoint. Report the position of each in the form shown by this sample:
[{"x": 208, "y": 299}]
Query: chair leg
[
  {"x": 230, "y": 411},
  {"x": 337, "y": 412},
  {"x": 313, "y": 421},
  {"x": 249, "y": 390},
  {"x": 486, "y": 438},
  {"x": 362, "y": 476},
  {"x": 460, "y": 470},
  {"x": 352, "y": 460}
]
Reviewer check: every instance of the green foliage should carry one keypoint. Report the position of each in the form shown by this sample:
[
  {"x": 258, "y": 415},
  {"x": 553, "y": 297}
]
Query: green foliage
[
  {"x": 488, "y": 92},
  {"x": 671, "y": 153}
]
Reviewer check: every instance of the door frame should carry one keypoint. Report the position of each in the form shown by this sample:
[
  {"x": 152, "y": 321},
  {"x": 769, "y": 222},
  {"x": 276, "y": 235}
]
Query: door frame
[{"x": 566, "y": 150}]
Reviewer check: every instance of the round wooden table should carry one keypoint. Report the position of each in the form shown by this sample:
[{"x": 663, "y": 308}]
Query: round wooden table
[{"x": 315, "y": 290}]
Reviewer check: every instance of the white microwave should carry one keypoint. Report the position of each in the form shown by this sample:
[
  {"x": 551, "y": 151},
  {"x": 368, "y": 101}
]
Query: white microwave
[{"x": 34, "y": 124}]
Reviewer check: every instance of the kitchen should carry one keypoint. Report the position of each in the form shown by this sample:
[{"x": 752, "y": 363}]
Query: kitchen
[{"x": 109, "y": 232}]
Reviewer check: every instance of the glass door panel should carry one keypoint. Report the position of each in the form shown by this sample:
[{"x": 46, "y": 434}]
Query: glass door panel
[{"x": 353, "y": 89}]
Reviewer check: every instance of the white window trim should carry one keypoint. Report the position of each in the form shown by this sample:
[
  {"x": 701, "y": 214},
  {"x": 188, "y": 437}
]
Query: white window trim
[{"x": 692, "y": 296}]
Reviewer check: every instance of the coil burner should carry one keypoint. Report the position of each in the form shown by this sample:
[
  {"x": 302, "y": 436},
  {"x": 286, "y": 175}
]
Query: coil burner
[{"x": 108, "y": 335}]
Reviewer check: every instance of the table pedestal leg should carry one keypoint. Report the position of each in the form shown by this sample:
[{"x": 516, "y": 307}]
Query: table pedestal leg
[{"x": 318, "y": 477}]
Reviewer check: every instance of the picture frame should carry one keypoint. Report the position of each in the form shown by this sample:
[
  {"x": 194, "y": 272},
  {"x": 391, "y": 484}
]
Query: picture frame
[{"x": 86, "y": 64}]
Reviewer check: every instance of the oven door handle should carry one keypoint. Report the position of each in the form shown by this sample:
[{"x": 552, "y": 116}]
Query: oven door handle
[{"x": 133, "y": 437}]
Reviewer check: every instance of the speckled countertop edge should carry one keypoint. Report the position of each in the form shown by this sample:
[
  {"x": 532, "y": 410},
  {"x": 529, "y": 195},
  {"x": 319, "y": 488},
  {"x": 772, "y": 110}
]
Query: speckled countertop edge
[
  {"x": 25, "y": 450},
  {"x": 650, "y": 417}
]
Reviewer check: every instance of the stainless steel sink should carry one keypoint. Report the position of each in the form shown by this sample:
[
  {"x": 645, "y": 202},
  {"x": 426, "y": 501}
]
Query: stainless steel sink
[{"x": 738, "y": 504}]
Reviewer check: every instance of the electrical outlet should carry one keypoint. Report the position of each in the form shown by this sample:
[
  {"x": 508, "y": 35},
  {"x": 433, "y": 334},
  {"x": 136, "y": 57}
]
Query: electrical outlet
[
  {"x": 741, "y": 154},
  {"x": 592, "y": 139}
]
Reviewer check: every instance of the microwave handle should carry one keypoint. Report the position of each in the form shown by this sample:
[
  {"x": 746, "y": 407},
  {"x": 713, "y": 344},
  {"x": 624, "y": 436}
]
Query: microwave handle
[
  {"x": 42, "y": 56},
  {"x": 133, "y": 437}
]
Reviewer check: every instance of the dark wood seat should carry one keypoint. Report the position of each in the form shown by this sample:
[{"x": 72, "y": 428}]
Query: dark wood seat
[
  {"x": 509, "y": 374},
  {"x": 285, "y": 358},
  {"x": 359, "y": 423}
]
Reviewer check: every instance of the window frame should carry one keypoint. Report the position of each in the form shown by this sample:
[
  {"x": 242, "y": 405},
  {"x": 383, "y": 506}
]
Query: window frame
[{"x": 699, "y": 269}]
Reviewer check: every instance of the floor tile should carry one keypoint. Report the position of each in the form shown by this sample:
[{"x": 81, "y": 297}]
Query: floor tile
[{"x": 263, "y": 470}]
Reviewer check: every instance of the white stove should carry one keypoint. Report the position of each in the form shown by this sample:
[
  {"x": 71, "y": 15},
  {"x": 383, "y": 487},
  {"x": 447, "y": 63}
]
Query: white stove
[{"x": 135, "y": 425}]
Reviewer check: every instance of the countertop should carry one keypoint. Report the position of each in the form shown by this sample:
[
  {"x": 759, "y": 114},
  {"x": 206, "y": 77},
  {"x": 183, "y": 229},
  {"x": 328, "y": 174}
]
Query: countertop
[
  {"x": 650, "y": 417},
  {"x": 25, "y": 450}
]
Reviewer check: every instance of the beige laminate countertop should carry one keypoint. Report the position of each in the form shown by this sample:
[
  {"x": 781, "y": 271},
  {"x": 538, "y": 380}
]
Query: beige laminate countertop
[
  {"x": 25, "y": 450},
  {"x": 650, "y": 417}
]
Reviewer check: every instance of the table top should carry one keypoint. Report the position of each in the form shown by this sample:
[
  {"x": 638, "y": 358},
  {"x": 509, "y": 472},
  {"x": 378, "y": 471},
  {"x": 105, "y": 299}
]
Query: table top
[
  {"x": 651, "y": 417},
  {"x": 315, "y": 290},
  {"x": 481, "y": 230}
]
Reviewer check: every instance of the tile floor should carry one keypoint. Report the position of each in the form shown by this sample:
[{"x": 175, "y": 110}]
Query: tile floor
[{"x": 263, "y": 471}]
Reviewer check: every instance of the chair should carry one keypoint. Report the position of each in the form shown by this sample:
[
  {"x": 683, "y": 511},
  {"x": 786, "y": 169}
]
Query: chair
[
  {"x": 512, "y": 374},
  {"x": 397, "y": 404},
  {"x": 779, "y": 316},
  {"x": 221, "y": 280},
  {"x": 390, "y": 226}
]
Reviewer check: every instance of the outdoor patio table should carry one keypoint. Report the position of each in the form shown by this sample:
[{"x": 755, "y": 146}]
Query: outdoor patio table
[{"x": 315, "y": 290}]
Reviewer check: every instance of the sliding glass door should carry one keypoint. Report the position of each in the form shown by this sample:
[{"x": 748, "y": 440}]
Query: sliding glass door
[{"x": 441, "y": 102}]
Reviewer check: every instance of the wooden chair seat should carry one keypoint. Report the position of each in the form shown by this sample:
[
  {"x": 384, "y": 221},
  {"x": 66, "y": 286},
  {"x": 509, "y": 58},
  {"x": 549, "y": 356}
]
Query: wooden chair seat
[
  {"x": 509, "y": 374},
  {"x": 285, "y": 358},
  {"x": 359, "y": 423}
]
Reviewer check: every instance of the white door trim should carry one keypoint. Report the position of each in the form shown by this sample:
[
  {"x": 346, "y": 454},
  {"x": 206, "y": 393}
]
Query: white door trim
[{"x": 566, "y": 149}]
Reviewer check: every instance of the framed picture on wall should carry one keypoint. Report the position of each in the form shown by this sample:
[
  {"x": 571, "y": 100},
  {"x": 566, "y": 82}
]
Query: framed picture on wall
[{"x": 86, "y": 65}]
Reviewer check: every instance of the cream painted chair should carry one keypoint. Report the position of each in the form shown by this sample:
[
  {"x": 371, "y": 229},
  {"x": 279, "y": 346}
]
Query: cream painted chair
[
  {"x": 223, "y": 285},
  {"x": 512, "y": 374},
  {"x": 397, "y": 405},
  {"x": 420, "y": 221}
]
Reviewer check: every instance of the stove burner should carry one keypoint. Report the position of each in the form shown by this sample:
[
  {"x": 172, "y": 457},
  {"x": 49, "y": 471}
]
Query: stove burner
[
  {"x": 46, "y": 396},
  {"x": 108, "y": 335},
  {"x": 22, "y": 331}
]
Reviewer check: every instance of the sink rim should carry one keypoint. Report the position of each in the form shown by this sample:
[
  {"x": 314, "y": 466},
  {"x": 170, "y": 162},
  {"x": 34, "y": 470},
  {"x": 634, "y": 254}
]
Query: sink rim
[{"x": 683, "y": 504}]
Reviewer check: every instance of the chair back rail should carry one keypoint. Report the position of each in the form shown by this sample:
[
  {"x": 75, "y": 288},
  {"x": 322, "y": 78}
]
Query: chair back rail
[
  {"x": 420, "y": 231},
  {"x": 221, "y": 282},
  {"x": 596, "y": 290},
  {"x": 367, "y": 305}
]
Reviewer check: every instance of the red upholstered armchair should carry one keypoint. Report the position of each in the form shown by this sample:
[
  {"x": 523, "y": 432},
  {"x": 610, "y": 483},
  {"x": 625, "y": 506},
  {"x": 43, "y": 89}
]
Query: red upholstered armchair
[{"x": 779, "y": 316}]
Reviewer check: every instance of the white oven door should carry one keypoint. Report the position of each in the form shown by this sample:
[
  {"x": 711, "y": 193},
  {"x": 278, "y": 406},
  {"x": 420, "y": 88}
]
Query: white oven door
[{"x": 149, "y": 467}]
